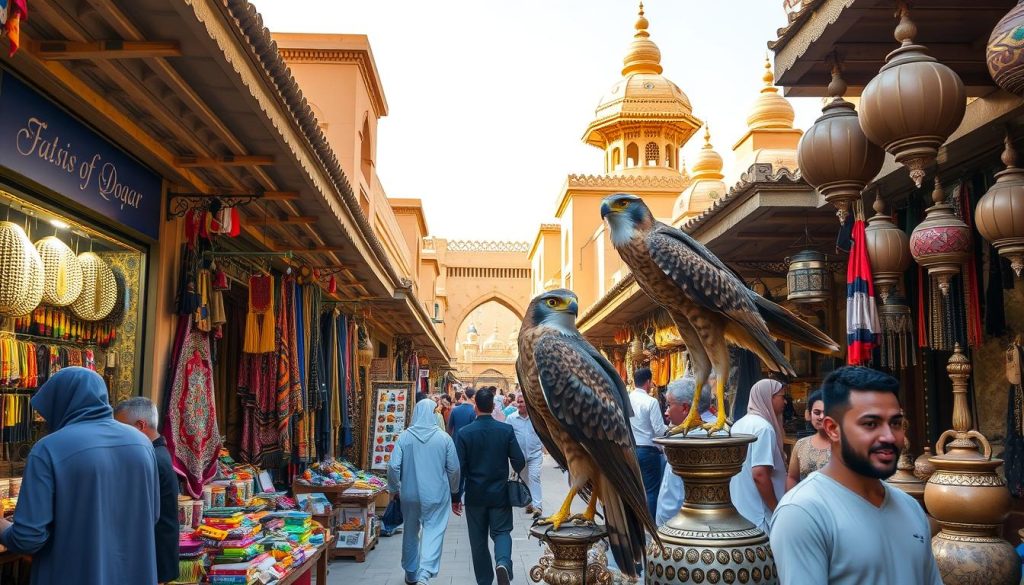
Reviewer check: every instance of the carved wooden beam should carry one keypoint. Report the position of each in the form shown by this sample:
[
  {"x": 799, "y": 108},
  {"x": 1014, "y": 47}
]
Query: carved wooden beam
[
  {"x": 116, "y": 49},
  {"x": 223, "y": 161},
  {"x": 290, "y": 220}
]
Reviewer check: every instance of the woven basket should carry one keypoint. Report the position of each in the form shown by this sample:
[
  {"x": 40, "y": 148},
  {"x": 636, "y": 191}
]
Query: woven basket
[
  {"x": 62, "y": 280},
  {"x": 34, "y": 290},
  {"x": 99, "y": 289},
  {"x": 14, "y": 266}
]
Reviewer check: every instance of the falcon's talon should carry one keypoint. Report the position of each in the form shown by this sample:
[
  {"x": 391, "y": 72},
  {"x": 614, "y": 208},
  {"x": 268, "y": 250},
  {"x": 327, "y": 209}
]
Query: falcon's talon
[
  {"x": 555, "y": 520},
  {"x": 692, "y": 422}
]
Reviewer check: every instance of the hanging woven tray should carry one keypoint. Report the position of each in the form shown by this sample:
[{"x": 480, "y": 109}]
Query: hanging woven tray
[
  {"x": 34, "y": 289},
  {"x": 62, "y": 280},
  {"x": 99, "y": 289},
  {"x": 14, "y": 266}
]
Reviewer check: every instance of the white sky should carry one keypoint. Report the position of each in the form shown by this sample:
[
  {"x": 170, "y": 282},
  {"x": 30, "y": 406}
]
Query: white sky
[{"x": 488, "y": 99}]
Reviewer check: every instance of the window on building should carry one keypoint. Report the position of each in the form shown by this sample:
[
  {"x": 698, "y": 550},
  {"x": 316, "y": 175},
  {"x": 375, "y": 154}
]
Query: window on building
[
  {"x": 669, "y": 159},
  {"x": 632, "y": 155},
  {"x": 651, "y": 154},
  {"x": 616, "y": 159}
]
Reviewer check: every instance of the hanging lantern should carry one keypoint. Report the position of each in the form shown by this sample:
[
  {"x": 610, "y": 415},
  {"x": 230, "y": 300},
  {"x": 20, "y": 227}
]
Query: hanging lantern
[
  {"x": 834, "y": 155},
  {"x": 913, "y": 104},
  {"x": 1004, "y": 54},
  {"x": 897, "y": 348},
  {"x": 941, "y": 243},
  {"x": 808, "y": 279},
  {"x": 888, "y": 249},
  {"x": 999, "y": 215},
  {"x": 15, "y": 264}
]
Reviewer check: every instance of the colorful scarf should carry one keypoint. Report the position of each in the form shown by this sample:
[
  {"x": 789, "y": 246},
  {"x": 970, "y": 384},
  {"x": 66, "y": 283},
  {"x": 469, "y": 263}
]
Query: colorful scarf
[
  {"x": 193, "y": 438},
  {"x": 862, "y": 327}
]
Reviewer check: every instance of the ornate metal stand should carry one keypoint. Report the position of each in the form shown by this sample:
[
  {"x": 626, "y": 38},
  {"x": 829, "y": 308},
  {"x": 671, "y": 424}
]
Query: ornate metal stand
[
  {"x": 569, "y": 562},
  {"x": 968, "y": 498},
  {"x": 709, "y": 541}
]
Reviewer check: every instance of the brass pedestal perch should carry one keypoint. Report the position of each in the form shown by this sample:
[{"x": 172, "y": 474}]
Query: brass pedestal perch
[
  {"x": 568, "y": 563},
  {"x": 708, "y": 541},
  {"x": 968, "y": 498}
]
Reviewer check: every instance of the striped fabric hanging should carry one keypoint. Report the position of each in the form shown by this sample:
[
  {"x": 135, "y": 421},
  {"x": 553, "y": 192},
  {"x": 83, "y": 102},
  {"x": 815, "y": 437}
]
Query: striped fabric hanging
[{"x": 862, "y": 326}]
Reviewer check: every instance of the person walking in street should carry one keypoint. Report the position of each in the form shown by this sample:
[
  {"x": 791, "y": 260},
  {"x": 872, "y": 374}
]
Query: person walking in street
[
  {"x": 511, "y": 407},
  {"x": 486, "y": 447},
  {"x": 679, "y": 400},
  {"x": 424, "y": 472},
  {"x": 530, "y": 445},
  {"x": 141, "y": 413},
  {"x": 647, "y": 424},
  {"x": 844, "y": 525},
  {"x": 810, "y": 453},
  {"x": 90, "y": 496},
  {"x": 499, "y": 405},
  {"x": 463, "y": 414},
  {"x": 756, "y": 489}
]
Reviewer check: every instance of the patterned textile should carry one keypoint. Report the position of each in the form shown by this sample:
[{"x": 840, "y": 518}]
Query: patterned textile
[
  {"x": 256, "y": 390},
  {"x": 192, "y": 435},
  {"x": 862, "y": 327}
]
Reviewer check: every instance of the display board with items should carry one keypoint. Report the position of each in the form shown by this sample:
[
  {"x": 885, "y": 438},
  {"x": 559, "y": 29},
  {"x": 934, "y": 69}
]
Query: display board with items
[{"x": 391, "y": 409}]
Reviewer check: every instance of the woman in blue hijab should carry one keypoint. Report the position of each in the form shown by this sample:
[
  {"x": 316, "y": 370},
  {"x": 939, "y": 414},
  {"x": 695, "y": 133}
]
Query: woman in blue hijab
[{"x": 424, "y": 472}]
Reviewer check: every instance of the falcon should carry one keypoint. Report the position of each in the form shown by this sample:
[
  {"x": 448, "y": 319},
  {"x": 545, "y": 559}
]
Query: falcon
[
  {"x": 580, "y": 409},
  {"x": 708, "y": 302}
]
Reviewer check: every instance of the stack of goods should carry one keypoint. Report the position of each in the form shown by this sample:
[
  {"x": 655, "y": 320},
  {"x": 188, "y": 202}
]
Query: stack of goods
[
  {"x": 298, "y": 525},
  {"x": 9, "y": 490},
  {"x": 62, "y": 325},
  {"x": 326, "y": 473},
  {"x": 191, "y": 558}
]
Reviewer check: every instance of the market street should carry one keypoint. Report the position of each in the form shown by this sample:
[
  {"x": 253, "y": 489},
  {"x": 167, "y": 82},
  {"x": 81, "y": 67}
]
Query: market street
[{"x": 383, "y": 565}]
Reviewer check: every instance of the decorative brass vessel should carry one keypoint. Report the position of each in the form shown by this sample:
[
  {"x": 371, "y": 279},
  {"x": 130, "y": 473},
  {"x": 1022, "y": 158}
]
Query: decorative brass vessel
[
  {"x": 968, "y": 498},
  {"x": 708, "y": 541},
  {"x": 569, "y": 562}
]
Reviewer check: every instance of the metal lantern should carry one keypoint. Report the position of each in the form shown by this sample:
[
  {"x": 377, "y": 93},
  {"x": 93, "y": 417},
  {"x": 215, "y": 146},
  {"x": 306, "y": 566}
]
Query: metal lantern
[
  {"x": 1004, "y": 54},
  {"x": 888, "y": 249},
  {"x": 913, "y": 104},
  {"x": 808, "y": 279},
  {"x": 999, "y": 215},
  {"x": 835, "y": 156},
  {"x": 941, "y": 243}
]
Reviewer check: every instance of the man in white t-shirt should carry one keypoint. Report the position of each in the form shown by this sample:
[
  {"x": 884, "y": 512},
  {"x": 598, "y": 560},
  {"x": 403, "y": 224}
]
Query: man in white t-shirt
[
  {"x": 647, "y": 424},
  {"x": 756, "y": 489},
  {"x": 844, "y": 525}
]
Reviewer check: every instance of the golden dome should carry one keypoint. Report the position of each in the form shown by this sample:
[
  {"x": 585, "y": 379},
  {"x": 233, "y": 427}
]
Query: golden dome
[
  {"x": 706, "y": 186},
  {"x": 494, "y": 344},
  {"x": 643, "y": 55},
  {"x": 708, "y": 162},
  {"x": 770, "y": 110}
]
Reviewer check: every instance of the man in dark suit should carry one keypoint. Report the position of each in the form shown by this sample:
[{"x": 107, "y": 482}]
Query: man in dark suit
[{"x": 486, "y": 447}]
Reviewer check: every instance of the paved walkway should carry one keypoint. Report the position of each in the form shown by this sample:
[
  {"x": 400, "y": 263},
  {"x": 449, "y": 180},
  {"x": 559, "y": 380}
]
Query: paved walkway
[{"x": 383, "y": 565}]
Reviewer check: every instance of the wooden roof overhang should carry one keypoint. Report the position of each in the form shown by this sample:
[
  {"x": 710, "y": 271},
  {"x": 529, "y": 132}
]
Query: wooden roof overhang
[
  {"x": 197, "y": 90},
  {"x": 753, "y": 229},
  {"x": 860, "y": 32}
]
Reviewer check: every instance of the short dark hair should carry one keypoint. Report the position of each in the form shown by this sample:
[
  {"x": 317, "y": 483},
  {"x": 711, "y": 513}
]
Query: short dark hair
[
  {"x": 459, "y": 395},
  {"x": 470, "y": 393},
  {"x": 485, "y": 400},
  {"x": 641, "y": 376},
  {"x": 837, "y": 387},
  {"x": 814, "y": 397}
]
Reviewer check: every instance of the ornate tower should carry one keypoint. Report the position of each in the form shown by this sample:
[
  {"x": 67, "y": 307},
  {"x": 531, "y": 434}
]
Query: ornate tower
[
  {"x": 770, "y": 136},
  {"x": 706, "y": 183},
  {"x": 643, "y": 121}
]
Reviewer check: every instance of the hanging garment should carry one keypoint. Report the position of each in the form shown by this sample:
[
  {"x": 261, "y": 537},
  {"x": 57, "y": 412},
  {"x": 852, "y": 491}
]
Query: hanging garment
[
  {"x": 191, "y": 430},
  {"x": 257, "y": 393},
  {"x": 862, "y": 327},
  {"x": 259, "y": 321}
]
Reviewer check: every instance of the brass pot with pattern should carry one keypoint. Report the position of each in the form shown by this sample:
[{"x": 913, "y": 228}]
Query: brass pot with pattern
[{"x": 708, "y": 541}]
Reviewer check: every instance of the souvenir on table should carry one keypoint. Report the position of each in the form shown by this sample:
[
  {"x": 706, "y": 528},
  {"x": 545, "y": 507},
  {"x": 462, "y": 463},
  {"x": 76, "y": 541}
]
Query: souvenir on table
[{"x": 391, "y": 409}]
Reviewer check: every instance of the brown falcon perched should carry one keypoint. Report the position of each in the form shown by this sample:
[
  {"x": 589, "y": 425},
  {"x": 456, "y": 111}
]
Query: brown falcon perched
[
  {"x": 710, "y": 305},
  {"x": 580, "y": 409}
]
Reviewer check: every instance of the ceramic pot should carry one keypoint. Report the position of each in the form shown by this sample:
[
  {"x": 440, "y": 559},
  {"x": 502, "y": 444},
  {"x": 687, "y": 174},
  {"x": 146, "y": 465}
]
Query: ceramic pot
[
  {"x": 1004, "y": 54},
  {"x": 708, "y": 541}
]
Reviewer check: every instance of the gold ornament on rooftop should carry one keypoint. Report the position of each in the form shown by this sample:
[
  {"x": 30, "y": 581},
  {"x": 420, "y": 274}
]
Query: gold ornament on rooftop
[
  {"x": 914, "y": 103},
  {"x": 941, "y": 243},
  {"x": 999, "y": 215},
  {"x": 834, "y": 155}
]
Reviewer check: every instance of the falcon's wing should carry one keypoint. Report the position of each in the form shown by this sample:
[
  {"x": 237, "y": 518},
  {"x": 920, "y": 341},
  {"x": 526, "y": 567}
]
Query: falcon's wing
[{"x": 538, "y": 423}]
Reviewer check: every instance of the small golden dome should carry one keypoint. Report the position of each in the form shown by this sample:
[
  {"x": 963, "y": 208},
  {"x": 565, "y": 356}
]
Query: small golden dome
[
  {"x": 643, "y": 55},
  {"x": 770, "y": 110},
  {"x": 708, "y": 162}
]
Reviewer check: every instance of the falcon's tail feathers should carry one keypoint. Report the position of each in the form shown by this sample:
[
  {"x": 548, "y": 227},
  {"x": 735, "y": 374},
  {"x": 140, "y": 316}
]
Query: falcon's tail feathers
[
  {"x": 786, "y": 326},
  {"x": 626, "y": 524}
]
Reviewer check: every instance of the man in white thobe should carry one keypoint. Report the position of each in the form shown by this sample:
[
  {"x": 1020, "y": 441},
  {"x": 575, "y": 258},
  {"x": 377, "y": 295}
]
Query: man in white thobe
[{"x": 530, "y": 443}]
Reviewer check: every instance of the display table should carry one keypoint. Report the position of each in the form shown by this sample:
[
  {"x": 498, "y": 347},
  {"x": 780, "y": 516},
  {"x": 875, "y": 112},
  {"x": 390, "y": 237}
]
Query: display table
[
  {"x": 354, "y": 544},
  {"x": 318, "y": 559}
]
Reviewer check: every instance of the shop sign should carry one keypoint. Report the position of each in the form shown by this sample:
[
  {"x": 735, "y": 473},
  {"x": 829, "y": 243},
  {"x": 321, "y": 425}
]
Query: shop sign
[{"x": 44, "y": 143}]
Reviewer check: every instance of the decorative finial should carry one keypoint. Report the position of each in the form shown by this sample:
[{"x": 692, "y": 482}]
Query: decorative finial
[
  {"x": 938, "y": 195},
  {"x": 879, "y": 205},
  {"x": 707, "y": 135},
  {"x": 641, "y": 23},
  {"x": 1009, "y": 156},
  {"x": 836, "y": 87},
  {"x": 906, "y": 30},
  {"x": 768, "y": 76}
]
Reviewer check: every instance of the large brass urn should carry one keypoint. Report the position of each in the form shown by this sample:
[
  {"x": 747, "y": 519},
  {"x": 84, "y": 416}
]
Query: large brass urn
[
  {"x": 969, "y": 499},
  {"x": 708, "y": 541}
]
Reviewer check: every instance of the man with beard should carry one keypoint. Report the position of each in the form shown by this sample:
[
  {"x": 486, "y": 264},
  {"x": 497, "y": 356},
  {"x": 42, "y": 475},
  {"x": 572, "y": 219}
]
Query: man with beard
[{"x": 844, "y": 525}]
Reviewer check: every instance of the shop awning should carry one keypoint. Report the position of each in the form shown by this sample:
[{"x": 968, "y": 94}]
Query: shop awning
[
  {"x": 861, "y": 33},
  {"x": 200, "y": 94}
]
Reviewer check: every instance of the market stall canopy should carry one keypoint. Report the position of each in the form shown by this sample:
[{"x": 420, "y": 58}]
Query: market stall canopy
[
  {"x": 860, "y": 32},
  {"x": 198, "y": 91}
]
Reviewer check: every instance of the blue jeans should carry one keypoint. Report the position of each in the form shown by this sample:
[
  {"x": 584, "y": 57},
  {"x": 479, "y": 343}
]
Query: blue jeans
[
  {"x": 652, "y": 467},
  {"x": 496, "y": 523}
]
